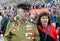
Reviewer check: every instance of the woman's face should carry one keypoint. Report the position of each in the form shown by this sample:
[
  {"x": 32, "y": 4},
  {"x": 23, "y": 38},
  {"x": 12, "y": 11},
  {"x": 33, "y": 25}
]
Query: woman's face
[{"x": 44, "y": 20}]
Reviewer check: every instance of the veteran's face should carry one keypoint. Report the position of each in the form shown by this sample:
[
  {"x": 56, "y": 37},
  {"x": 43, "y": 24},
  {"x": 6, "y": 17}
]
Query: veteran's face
[{"x": 22, "y": 14}]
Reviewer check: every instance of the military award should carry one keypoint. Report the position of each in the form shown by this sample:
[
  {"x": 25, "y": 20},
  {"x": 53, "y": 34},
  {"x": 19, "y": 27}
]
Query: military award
[{"x": 29, "y": 32}]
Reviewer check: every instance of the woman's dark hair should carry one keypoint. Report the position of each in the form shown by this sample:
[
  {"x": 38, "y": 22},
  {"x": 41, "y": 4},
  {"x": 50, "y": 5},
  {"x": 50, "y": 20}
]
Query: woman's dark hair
[{"x": 43, "y": 14}]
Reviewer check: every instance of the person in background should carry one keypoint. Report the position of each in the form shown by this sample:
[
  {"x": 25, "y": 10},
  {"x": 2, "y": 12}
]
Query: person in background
[
  {"x": 53, "y": 16},
  {"x": 0, "y": 22},
  {"x": 11, "y": 17},
  {"x": 1, "y": 33},
  {"x": 45, "y": 28},
  {"x": 4, "y": 20},
  {"x": 22, "y": 29},
  {"x": 0, "y": 19}
]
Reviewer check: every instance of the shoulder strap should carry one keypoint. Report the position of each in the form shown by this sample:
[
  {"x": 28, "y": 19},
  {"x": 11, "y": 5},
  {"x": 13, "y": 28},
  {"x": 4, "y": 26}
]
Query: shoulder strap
[{"x": 48, "y": 32}]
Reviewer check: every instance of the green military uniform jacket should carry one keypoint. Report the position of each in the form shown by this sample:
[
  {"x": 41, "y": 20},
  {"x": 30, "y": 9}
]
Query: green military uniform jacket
[{"x": 21, "y": 32}]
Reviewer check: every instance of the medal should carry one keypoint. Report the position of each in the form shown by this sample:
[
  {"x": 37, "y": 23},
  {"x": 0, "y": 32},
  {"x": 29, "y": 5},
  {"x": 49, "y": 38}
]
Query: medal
[
  {"x": 14, "y": 30},
  {"x": 26, "y": 34},
  {"x": 29, "y": 37},
  {"x": 13, "y": 25},
  {"x": 29, "y": 32},
  {"x": 18, "y": 29},
  {"x": 32, "y": 37}
]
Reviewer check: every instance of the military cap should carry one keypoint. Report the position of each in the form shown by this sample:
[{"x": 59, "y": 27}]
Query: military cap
[{"x": 24, "y": 6}]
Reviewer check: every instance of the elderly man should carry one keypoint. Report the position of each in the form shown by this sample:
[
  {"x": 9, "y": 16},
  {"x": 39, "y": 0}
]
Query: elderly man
[{"x": 22, "y": 29}]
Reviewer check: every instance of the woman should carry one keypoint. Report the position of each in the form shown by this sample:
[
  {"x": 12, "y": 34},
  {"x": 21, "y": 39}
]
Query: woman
[{"x": 46, "y": 30}]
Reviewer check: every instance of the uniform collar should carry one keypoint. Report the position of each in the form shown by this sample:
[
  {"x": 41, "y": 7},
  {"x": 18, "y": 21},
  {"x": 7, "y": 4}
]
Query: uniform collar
[{"x": 23, "y": 22}]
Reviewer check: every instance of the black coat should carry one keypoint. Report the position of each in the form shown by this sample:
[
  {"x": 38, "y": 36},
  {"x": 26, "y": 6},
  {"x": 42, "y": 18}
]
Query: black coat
[
  {"x": 4, "y": 24},
  {"x": 44, "y": 37}
]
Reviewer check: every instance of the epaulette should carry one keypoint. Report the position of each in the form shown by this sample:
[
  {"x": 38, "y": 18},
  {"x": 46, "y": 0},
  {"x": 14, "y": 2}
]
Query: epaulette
[
  {"x": 13, "y": 19},
  {"x": 32, "y": 22}
]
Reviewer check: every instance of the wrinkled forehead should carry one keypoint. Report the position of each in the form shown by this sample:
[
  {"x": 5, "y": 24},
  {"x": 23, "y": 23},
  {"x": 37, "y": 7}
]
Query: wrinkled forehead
[{"x": 21, "y": 11}]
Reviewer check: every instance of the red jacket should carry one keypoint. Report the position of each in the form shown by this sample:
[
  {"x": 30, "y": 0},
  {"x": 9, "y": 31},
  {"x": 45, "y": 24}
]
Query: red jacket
[{"x": 52, "y": 34}]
